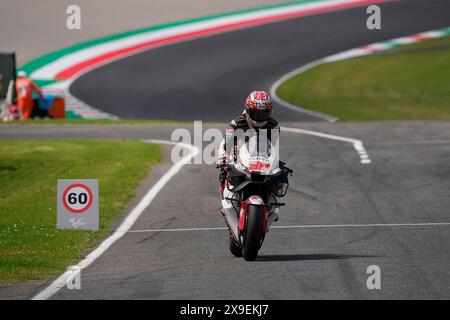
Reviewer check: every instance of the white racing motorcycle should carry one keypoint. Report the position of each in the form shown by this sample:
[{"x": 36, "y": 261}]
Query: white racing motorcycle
[{"x": 256, "y": 179}]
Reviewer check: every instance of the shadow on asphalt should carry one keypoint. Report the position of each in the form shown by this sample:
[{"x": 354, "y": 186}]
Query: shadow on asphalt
[{"x": 306, "y": 257}]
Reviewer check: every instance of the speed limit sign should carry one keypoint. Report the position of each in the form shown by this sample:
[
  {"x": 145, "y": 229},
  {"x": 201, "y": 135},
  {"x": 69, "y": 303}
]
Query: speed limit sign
[{"x": 78, "y": 204}]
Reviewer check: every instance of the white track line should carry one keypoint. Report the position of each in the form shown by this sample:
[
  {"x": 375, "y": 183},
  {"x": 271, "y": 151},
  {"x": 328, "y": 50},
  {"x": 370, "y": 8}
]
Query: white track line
[
  {"x": 357, "y": 144},
  {"x": 61, "y": 281},
  {"x": 368, "y": 225},
  {"x": 311, "y": 226},
  {"x": 411, "y": 142},
  {"x": 177, "y": 230}
]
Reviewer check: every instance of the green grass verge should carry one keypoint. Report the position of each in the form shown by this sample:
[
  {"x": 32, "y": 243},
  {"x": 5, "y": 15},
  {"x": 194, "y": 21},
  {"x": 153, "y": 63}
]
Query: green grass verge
[
  {"x": 402, "y": 84},
  {"x": 30, "y": 245}
]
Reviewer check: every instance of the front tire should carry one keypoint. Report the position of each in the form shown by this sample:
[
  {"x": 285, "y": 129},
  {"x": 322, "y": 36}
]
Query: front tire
[{"x": 253, "y": 233}]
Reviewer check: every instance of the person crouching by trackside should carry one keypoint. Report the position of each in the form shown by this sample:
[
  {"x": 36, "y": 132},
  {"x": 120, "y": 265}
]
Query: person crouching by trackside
[
  {"x": 25, "y": 88},
  {"x": 257, "y": 115}
]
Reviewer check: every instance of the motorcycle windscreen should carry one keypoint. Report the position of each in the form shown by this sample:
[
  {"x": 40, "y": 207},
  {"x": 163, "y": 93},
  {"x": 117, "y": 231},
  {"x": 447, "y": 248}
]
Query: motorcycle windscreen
[{"x": 259, "y": 151}]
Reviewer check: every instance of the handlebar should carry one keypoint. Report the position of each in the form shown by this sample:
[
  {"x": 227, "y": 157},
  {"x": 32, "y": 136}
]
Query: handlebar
[
  {"x": 282, "y": 166},
  {"x": 221, "y": 165},
  {"x": 278, "y": 204}
]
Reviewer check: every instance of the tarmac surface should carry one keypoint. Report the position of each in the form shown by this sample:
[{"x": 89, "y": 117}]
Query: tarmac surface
[{"x": 383, "y": 213}]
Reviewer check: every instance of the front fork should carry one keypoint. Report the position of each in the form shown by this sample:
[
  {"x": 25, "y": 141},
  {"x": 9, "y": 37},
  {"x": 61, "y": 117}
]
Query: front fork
[
  {"x": 236, "y": 221},
  {"x": 255, "y": 201}
]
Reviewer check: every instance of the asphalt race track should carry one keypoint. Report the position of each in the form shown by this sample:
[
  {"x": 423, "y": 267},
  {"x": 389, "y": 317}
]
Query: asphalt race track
[
  {"x": 208, "y": 79},
  {"x": 407, "y": 183},
  {"x": 341, "y": 216}
]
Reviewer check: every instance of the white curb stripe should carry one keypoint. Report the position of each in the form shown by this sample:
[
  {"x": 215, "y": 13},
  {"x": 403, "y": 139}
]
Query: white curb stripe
[{"x": 131, "y": 218}]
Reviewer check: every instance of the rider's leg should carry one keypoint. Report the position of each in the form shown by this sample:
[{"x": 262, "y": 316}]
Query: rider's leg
[{"x": 222, "y": 177}]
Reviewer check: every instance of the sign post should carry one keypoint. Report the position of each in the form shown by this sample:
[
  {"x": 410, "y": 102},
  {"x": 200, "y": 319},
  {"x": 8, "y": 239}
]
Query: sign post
[
  {"x": 77, "y": 204},
  {"x": 7, "y": 72}
]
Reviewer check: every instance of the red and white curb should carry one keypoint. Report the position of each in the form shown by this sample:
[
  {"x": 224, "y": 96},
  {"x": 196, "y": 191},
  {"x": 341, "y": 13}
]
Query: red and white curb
[
  {"x": 348, "y": 54},
  {"x": 389, "y": 44},
  {"x": 68, "y": 67}
]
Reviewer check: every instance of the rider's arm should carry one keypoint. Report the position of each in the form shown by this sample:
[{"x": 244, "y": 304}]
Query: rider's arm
[
  {"x": 221, "y": 154},
  {"x": 229, "y": 140},
  {"x": 227, "y": 144}
]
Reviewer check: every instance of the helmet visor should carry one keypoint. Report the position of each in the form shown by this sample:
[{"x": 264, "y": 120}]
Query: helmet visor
[{"x": 259, "y": 115}]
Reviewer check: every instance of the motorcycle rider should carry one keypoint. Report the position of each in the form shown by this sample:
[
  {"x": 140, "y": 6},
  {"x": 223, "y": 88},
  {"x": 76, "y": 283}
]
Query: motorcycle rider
[{"x": 257, "y": 115}]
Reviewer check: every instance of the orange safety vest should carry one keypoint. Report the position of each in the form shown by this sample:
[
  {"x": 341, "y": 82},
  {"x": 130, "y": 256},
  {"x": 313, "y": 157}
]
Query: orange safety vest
[{"x": 25, "y": 88}]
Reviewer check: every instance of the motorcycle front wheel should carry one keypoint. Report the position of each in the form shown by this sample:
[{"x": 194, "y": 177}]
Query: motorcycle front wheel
[{"x": 253, "y": 233}]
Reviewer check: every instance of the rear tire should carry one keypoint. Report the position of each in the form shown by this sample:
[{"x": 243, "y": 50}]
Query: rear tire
[
  {"x": 253, "y": 233},
  {"x": 235, "y": 249}
]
